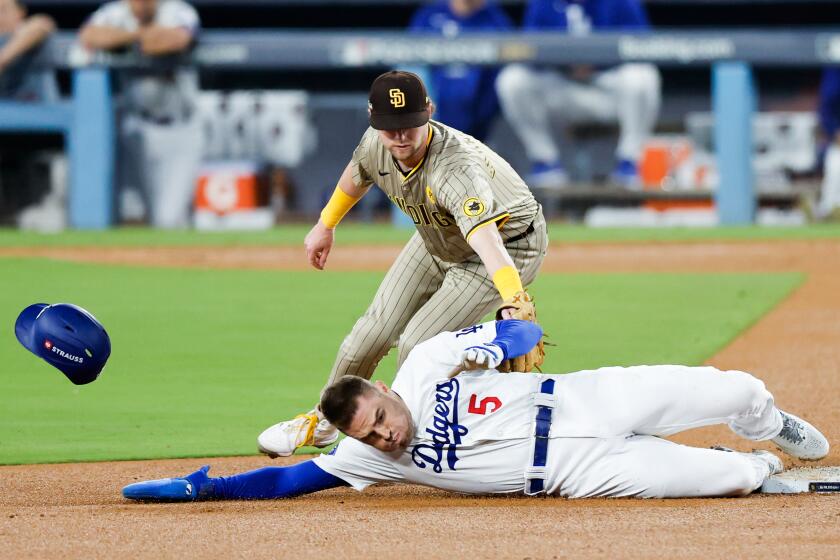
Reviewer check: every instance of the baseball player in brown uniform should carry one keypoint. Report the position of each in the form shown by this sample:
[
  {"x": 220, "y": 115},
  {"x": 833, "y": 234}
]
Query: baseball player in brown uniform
[{"x": 480, "y": 238}]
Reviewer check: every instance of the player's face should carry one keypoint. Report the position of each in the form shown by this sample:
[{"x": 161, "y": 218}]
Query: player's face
[
  {"x": 382, "y": 420},
  {"x": 144, "y": 10},
  {"x": 407, "y": 145}
]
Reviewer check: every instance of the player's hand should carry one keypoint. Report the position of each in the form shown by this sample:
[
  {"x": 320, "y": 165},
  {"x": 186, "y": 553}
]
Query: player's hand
[
  {"x": 318, "y": 243},
  {"x": 484, "y": 356},
  {"x": 507, "y": 313}
]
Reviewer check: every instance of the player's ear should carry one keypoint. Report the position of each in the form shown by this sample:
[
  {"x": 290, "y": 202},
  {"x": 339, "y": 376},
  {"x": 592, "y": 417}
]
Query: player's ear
[
  {"x": 430, "y": 107},
  {"x": 381, "y": 386}
]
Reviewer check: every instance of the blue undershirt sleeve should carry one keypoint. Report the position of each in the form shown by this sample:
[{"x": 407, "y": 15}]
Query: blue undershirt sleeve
[
  {"x": 516, "y": 337},
  {"x": 275, "y": 482}
]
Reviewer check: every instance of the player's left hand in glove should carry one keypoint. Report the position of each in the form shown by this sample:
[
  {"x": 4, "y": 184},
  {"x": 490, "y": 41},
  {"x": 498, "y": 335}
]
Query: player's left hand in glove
[{"x": 521, "y": 306}]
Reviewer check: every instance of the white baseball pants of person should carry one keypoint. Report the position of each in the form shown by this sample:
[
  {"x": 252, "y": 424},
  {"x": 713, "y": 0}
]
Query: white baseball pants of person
[
  {"x": 607, "y": 426},
  {"x": 165, "y": 159},
  {"x": 532, "y": 99},
  {"x": 830, "y": 193}
]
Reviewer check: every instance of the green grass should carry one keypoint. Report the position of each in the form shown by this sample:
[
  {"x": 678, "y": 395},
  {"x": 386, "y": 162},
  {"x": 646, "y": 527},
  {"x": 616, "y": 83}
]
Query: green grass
[
  {"x": 355, "y": 233},
  {"x": 204, "y": 360}
]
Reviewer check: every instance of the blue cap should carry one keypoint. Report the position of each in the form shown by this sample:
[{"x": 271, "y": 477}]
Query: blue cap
[{"x": 67, "y": 337}]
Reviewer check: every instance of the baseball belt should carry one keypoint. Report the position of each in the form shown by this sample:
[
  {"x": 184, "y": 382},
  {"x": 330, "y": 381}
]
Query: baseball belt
[{"x": 535, "y": 474}]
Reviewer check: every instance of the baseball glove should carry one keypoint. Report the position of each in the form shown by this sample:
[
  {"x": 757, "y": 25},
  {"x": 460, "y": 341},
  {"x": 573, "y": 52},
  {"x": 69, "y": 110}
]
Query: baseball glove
[{"x": 523, "y": 309}]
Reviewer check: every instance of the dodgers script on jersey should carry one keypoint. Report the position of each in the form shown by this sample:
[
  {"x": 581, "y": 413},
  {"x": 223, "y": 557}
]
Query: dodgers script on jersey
[
  {"x": 459, "y": 186},
  {"x": 473, "y": 432}
]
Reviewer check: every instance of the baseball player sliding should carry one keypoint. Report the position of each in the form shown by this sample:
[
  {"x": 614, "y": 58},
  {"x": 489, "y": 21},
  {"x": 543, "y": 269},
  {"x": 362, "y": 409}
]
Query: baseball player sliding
[
  {"x": 480, "y": 238},
  {"x": 451, "y": 421}
]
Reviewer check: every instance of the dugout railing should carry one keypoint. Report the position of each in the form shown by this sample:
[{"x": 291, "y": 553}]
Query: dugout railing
[{"x": 88, "y": 122}]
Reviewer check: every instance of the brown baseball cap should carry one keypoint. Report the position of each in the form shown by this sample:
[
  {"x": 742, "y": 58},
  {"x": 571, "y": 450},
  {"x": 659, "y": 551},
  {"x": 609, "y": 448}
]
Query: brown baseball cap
[{"x": 398, "y": 100}]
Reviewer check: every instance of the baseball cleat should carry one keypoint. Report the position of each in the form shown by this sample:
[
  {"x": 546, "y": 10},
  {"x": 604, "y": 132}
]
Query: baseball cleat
[
  {"x": 310, "y": 429},
  {"x": 626, "y": 175},
  {"x": 187, "y": 489},
  {"x": 773, "y": 462},
  {"x": 800, "y": 439}
]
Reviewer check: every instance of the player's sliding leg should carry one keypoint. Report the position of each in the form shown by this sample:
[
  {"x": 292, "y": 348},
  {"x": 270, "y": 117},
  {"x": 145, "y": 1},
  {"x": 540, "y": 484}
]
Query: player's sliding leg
[
  {"x": 664, "y": 400},
  {"x": 651, "y": 467},
  {"x": 409, "y": 283},
  {"x": 265, "y": 483}
]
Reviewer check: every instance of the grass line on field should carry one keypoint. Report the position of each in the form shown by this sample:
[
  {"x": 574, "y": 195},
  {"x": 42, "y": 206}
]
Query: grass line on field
[{"x": 385, "y": 234}]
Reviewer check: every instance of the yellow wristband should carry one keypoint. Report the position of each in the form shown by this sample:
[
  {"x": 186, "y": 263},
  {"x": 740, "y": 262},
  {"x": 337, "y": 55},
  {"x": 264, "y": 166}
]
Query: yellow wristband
[
  {"x": 340, "y": 203},
  {"x": 507, "y": 281}
]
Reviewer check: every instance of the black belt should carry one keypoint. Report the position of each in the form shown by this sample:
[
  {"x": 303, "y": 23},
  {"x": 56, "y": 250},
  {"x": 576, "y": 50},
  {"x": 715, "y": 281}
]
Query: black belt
[
  {"x": 528, "y": 231},
  {"x": 535, "y": 474}
]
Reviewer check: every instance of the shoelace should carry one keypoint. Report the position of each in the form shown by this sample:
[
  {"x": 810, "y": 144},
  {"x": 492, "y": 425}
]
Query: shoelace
[
  {"x": 792, "y": 430},
  {"x": 309, "y": 425}
]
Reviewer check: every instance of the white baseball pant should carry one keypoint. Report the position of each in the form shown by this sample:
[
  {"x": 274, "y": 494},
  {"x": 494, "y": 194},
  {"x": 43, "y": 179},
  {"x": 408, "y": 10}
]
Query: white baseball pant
[
  {"x": 532, "y": 98},
  {"x": 627, "y": 409},
  {"x": 830, "y": 192},
  {"x": 166, "y": 158}
]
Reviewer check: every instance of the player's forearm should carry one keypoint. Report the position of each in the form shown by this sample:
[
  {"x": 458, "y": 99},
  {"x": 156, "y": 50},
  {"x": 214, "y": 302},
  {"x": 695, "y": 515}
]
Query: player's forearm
[
  {"x": 158, "y": 41},
  {"x": 105, "y": 37},
  {"x": 345, "y": 196},
  {"x": 488, "y": 245},
  {"x": 32, "y": 33},
  {"x": 275, "y": 482}
]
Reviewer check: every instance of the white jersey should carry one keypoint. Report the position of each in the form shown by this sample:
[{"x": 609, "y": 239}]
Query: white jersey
[
  {"x": 473, "y": 433},
  {"x": 159, "y": 95}
]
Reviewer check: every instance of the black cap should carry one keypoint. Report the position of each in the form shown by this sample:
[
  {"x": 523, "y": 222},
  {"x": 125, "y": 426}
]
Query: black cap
[{"x": 398, "y": 100}]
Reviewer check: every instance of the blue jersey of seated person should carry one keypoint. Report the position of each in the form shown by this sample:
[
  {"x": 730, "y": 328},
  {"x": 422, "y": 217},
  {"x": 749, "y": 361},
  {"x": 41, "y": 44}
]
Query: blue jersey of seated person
[
  {"x": 830, "y": 102},
  {"x": 465, "y": 96},
  {"x": 579, "y": 17}
]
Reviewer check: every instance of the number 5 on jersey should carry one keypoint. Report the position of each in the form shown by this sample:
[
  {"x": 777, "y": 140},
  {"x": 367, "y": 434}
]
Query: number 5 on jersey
[{"x": 481, "y": 407}]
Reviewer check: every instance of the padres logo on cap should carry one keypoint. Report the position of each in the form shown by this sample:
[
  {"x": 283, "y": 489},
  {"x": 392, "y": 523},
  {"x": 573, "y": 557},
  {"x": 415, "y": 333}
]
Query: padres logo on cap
[
  {"x": 473, "y": 207},
  {"x": 397, "y": 97}
]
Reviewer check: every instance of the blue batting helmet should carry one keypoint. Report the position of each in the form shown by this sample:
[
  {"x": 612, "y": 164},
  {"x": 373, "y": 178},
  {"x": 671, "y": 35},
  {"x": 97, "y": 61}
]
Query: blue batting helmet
[{"x": 67, "y": 337}]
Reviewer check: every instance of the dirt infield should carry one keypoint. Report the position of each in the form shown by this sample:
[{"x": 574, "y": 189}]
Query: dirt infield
[{"x": 75, "y": 510}]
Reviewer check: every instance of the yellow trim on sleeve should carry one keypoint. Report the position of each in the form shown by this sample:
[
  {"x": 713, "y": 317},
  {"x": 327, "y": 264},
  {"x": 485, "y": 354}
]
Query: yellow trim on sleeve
[
  {"x": 507, "y": 281},
  {"x": 500, "y": 218},
  {"x": 339, "y": 204}
]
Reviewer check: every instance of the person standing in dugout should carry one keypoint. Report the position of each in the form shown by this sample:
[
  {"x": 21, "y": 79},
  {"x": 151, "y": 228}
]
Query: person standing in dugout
[{"x": 481, "y": 237}]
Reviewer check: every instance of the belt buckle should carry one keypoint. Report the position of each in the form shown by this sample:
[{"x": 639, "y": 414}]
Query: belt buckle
[
  {"x": 533, "y": 472},
  {"x": 546, "y": 400}
]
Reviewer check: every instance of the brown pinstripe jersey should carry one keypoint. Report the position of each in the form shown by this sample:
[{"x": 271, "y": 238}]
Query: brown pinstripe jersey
[{"x": 459, "y": 186}]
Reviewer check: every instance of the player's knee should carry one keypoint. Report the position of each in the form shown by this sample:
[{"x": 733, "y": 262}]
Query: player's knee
[
  {"x": 366, "y": 339},
  {"x": 751, "y": 389},
  {"x": 513, "y": 82},
  {"x": 641, "y": 80}
]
